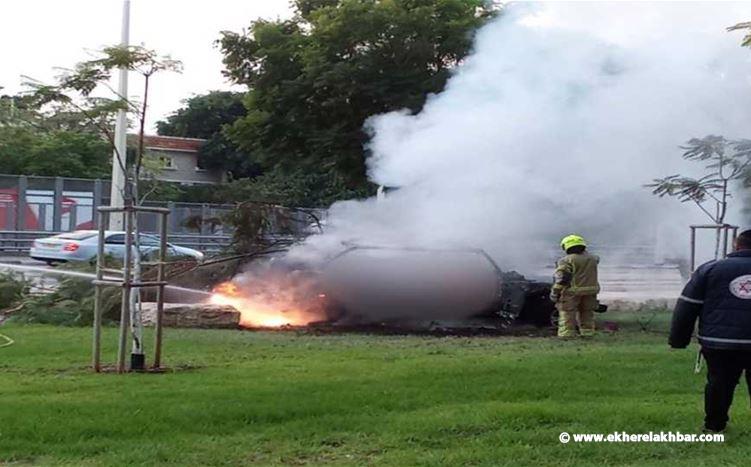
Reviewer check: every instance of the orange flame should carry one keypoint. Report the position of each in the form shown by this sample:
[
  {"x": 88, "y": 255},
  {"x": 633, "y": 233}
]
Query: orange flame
[{"x": 258, "y": 310}]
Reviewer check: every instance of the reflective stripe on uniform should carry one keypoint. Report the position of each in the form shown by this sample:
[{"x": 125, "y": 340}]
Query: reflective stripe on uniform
[
  {"x": 691, "y": 300},
  {"x": 588, "y": 289},
  {"x": 728, "y": 341}
]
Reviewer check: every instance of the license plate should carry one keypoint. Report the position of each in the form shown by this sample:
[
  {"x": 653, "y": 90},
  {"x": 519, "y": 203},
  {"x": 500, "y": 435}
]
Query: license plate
[{"x": 47, "y": 246}]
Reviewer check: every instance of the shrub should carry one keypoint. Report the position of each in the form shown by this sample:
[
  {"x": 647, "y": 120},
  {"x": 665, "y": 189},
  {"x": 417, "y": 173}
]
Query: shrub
[
  {"x": 71, "y": 304},
  {"x": 12, "y": 288}
]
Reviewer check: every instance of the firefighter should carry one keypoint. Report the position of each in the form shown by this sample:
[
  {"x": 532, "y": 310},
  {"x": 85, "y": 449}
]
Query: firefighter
[
  {"x": 719, "y": 295},
  {"x": 575, "y": 288}
]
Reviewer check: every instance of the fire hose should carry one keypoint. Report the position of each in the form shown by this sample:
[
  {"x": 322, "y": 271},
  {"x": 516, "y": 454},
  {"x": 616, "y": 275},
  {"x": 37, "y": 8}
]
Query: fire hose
[
  {"x": 8, "y": 341},
  {"x": 3, "y": 315}
]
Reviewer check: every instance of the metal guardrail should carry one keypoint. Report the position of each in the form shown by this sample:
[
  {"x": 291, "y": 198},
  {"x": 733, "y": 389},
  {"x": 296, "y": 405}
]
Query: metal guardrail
[{"x": 18, "y": 241}]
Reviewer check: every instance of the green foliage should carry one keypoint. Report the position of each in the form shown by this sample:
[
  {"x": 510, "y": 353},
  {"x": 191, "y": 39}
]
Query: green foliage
[
  {"x": 203, "y": 115},
  {"x": 26, "y": 150},
  {"x": 313, "y": 80},
  {"x": 273, "y": 205},
  {"x": 208, "y": 116},
  {"x": 70, "y": 304},
  {"x": 12, "y": 288},
  {"x": 159, "y": 190},
  {"x": 293, "y": 189},
  {"x": 71, "y": 94},
  {"x": 252, "y": 224},
  {"x": 57, "y": 141},
  {"x": 85, "y": 77},
  {"x": 746, "y": 42},
  {"x": 14, "y": 110},
  {"x": 221, "y": 153},
  {"x": 56, "y": 106},
  {"x": 261, "y": 228},
  {"x": 297, "y": 189},
  {"x": 61, "y": 129},
  {"x": 725, "y": 160}
]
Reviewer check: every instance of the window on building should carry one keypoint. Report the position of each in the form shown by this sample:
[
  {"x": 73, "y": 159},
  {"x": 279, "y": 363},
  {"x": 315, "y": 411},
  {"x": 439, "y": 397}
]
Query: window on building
[
  {"x": 167, "y": 162},
  {"x": 199, "y": 166}
]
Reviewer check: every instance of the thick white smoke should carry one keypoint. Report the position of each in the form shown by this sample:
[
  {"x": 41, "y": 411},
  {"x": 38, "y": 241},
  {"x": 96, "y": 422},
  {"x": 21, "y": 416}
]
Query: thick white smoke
[{"x": 552, "y": 126}]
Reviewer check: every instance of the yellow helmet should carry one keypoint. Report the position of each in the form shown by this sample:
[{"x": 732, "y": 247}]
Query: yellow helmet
[{"x": 572, "y": 240}]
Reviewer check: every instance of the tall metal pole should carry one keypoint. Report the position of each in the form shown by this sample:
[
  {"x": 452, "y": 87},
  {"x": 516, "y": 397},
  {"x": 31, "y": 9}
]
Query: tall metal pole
[{"x": 121, "y": 128}]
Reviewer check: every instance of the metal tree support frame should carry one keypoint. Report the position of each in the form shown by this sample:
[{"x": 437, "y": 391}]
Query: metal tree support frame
[
  {"x": 723, "y": 230},
  {"x": 127, "y": 284}
]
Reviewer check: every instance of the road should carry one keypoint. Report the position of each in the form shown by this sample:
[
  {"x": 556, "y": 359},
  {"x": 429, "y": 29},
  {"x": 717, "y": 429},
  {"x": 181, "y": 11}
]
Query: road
[
  {"x": 622, "y": 283},
  {"x": 637, "y": 284},
  {"x": 21, "y": 259},
  {"x": 40, "y": 282}
]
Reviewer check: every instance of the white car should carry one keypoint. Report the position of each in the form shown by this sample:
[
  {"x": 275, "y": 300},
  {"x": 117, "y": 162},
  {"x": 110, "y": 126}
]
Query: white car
[{"x": 81, "y": 245}]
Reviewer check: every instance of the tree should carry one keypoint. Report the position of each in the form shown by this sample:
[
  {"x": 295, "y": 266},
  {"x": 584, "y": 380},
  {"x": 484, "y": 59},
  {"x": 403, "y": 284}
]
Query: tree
[
  {"x": 27, "y": 150},
  {"x": 314, "y": 79},
  {"x": 746, "y": 42},
  {"x": 49, "y": 143},
  {"x": 13, "y": 110},
  {"x": 297, "y": 189},
  {"x": 208, "y": 116},
  {"x": 726, "y": 161},
  {"x": 203, "y": 115},
  {"x": 72, "y": 95}
]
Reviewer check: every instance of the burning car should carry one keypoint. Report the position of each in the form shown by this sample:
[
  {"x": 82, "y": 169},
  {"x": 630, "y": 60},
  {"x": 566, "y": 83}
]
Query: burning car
[{"x": 412, "y": 288}]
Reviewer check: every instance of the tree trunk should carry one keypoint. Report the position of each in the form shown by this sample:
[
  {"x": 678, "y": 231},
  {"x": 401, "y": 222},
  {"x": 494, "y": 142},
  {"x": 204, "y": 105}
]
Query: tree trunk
[{"x": 136, "y": 315}]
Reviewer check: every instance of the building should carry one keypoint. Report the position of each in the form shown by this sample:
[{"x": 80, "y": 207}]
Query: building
[{"x": 175, "y": 159}]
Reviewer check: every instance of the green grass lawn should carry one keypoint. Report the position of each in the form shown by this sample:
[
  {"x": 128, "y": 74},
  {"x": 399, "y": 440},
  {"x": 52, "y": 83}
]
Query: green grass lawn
[{"x": 245, "y": 398}]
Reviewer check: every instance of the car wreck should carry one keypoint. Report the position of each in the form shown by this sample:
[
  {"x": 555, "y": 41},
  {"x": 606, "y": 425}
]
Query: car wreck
[{"x": 388, "y": 288}]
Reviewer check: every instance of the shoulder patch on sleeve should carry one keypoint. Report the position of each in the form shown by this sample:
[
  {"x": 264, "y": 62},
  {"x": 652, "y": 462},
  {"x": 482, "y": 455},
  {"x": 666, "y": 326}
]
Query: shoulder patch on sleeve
[{"x": 741, "y": 287}]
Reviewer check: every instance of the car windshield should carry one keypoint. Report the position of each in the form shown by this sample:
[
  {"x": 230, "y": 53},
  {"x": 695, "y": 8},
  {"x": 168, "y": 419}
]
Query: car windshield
[{"x": 75, "y": 235}]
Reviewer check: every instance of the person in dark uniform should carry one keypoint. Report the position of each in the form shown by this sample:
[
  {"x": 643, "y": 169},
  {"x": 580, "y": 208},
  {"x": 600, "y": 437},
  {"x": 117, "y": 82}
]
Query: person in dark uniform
[{"x": 719, "y": 295}]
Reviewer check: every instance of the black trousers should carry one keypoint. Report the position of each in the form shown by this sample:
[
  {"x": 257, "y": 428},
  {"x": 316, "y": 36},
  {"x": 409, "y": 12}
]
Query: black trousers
[{"x": 724, "y": 368}]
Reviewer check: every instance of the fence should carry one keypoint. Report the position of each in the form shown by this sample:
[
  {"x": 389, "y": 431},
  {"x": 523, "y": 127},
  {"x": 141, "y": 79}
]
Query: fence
[{"x": 34, "y": 207}]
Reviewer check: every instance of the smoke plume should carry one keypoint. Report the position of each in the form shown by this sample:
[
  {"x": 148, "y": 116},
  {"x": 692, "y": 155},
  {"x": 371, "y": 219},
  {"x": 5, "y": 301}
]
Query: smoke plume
[{"x": 551, "y": 126}]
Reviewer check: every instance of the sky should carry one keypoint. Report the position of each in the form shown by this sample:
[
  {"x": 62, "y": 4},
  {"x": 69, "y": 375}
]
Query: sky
[{"x": 39, "y": 35}]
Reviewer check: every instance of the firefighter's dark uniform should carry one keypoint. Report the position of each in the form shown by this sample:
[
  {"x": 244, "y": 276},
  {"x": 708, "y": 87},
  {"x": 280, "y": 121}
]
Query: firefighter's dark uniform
[{"x": 719, "y": 295}]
